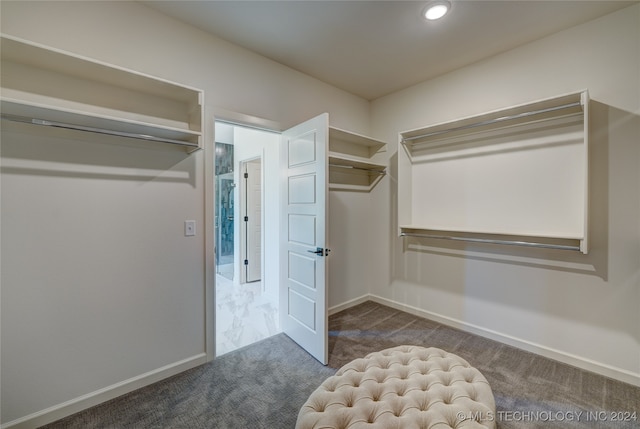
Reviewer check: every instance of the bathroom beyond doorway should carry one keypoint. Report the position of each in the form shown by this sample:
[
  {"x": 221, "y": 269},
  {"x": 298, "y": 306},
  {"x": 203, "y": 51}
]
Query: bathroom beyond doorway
[{"x": 246, "y": 293}]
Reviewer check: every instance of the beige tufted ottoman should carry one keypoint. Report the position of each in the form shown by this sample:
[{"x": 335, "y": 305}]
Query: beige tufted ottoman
[{"x": 402, "y": 387}]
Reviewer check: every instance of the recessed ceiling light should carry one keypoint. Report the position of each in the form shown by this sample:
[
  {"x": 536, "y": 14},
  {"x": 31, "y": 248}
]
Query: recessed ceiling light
[{"x": 436, "y": 9}]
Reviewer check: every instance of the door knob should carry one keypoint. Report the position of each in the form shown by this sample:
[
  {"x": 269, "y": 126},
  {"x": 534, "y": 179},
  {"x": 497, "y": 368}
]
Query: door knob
[{"x": 320, "y": 251}]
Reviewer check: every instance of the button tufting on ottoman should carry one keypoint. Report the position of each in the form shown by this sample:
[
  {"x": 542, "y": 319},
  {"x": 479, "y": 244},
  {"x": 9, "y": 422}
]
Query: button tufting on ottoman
[{"x": 402, "y": 387}]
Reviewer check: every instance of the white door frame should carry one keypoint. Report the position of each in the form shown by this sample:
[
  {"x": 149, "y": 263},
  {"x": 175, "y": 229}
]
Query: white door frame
[
  {"x": 209, "y": 212},
  {"x": 209, "y": 229}
]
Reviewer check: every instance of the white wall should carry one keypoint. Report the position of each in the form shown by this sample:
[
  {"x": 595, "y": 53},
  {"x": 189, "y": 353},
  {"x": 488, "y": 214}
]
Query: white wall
[
  {"x": 581, "y": 309},
  {"x": 101, "y": 292},
  {"x": 350, "y": 230}
]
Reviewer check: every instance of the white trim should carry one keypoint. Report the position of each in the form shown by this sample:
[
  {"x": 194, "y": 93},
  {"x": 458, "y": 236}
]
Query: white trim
[
  {"x": 548, "y": 352},
  {"x": 99, "y": 396},
  {"x": 208, "y": 145},
  {"x": 348, "y": 304}
]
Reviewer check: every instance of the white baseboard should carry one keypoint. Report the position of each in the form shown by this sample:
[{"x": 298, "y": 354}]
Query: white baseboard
[
  {"x": 83, "y": 402},
  {"x": 94, "y": 398},
  {"x": 348, "y": 304},
  {"x": 558, "y": 355}
]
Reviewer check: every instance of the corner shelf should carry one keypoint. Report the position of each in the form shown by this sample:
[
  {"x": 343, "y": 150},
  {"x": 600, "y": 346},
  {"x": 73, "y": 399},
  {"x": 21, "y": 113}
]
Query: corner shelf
[
  {"x": 512, "y": 176},
  {"x": 47, "y": 86},
  {"x": 350, "y": 161}
]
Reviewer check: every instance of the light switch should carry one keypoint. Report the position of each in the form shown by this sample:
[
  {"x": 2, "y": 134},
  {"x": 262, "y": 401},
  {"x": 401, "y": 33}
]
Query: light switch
[{"x": 189, "y": 228}]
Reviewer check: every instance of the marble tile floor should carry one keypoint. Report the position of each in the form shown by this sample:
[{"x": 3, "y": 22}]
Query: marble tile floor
[
  {"x": 225, "y": 270},
  {"x": 244, "y": 314}
]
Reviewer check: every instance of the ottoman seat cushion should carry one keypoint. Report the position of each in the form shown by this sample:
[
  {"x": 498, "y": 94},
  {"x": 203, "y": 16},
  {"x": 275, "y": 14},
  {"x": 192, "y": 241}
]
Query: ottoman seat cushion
[{"x": 402, "y": 387}]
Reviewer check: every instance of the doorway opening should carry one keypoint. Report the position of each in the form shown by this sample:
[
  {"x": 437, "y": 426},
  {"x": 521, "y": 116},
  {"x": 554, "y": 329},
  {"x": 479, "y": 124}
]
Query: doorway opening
[{"x": 247, "y": 235}]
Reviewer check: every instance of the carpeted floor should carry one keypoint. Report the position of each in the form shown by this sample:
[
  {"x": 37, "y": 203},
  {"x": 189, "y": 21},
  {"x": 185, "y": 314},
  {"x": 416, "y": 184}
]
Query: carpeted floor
[{"x": 265, "y": 384}]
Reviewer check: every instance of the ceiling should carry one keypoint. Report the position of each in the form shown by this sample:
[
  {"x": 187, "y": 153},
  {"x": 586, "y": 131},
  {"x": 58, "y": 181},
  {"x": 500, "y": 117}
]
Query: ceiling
[{"x": 373, "y": 48}]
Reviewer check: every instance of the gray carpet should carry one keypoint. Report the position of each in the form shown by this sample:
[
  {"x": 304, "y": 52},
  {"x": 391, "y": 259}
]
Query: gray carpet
[{"x": 265, "y": 384}]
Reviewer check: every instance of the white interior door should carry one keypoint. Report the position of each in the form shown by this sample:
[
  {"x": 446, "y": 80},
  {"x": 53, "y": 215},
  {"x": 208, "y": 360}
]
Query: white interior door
[
  {"x": 303, "y": 289},
  {"x": 253, "y": 219}
]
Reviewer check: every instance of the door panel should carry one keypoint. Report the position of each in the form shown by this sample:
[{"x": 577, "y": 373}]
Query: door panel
[
  {"x": 302, "y": 269},
  {"x": 303, "y": 289},
  {"x": 302, "y": 309},
  {"x": 302, "y": 229},
  {"x": 302, "y": 149},
  {"x": 302, "y": 189}
]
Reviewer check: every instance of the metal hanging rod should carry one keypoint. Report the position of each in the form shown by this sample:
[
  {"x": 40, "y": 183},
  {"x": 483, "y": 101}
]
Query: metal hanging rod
[
  {"x": 490, "y": 241},
  {"x": 351, "y": 167},
  {"x": 35, "y": 121},
  {"x": 493, "y": 121}
]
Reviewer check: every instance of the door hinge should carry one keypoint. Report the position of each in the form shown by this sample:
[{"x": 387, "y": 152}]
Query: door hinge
[
  {"x": 246, "y": 262},
  {"x": 246, "y": 175},
  {"x": 246, "y": 218}
]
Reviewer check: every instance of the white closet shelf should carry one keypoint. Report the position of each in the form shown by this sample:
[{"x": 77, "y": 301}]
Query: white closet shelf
[
  {"x": 369, "y": 167},
  {"x": 540, "y": 234},
  {"x": 45, "y": 85},
  {"x": 517, "y": 175},
  {"x": 350, "y": 175},
  {"x": 372, "y": 145},
  {"x": 544, "y": 240},
  {"x": 351, "y": 165},
  {"x": 525, "y": 114},
  {"x": 48, "y": 116}
]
